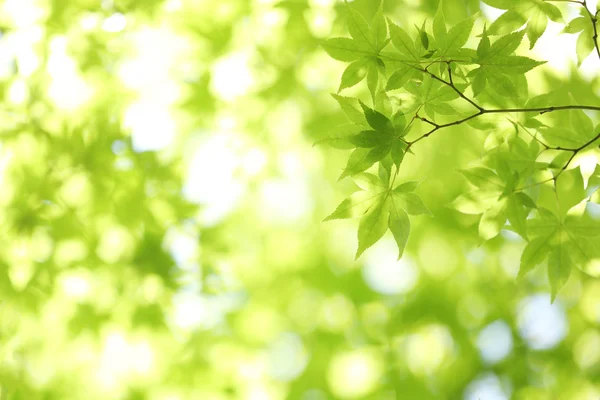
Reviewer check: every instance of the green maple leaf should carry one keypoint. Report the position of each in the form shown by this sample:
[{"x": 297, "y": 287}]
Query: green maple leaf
[
  {"x": 566, "y": 239},
  {"x": 380, "y": 208},
  {"x": 362, "y": 49},
  {"x": 534, "y": 13},
  {"x": 498, "y": 66},
  {"x": 391, "y": 212},
  {"x": 585, "y": 38},
  {"x": 496, "y": 199}
]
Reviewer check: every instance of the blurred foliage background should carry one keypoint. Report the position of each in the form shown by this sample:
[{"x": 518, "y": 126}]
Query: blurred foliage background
[{"x": 161, "y": 222}]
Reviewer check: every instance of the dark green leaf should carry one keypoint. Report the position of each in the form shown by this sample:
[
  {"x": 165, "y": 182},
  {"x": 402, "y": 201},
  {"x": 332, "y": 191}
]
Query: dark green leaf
[{"x": 369, "y": 139}]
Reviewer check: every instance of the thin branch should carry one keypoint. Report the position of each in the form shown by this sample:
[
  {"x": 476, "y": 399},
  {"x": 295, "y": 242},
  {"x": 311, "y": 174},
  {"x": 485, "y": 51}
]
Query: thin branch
[
  {"x": 593, "y": 20},
  {"x": 565, "y": 1},
  {"x": 483, "y": 111},
  {"x": 451, "y": 85},
  {"x": 437, "y": 127},
  {"x": 542, "y": 110},
  {"x": 546, "y": 146}
]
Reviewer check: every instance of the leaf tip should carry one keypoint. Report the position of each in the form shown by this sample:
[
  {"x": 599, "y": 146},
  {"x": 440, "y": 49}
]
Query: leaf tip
[{"x": 359, "y": 252}]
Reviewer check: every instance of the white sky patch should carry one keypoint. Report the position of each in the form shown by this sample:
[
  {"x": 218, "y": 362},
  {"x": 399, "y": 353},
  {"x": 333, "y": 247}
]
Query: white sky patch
[
  {"x": 20, "y": 46},
  {"x": 541, "y": 324},
  {"x": 428, "y": 348},
  {"x": 157, "y": 52},
  {"x": 183, "y": 246},
  {"x": 172, "y": 5},
  {"x": 288, "y": 198},
  {"x": 193, "y": 311},
  {"x": 115, "y": 23},
  {"x": 387, "y": 275},
  {"x": 75, "y": 285},
  {"x": 121, "y": 357},
  {"x": 23, "y": 12},
  {"x": 232, "y": 76},
  {"x": 221, "y": 166},
  {"x": 587, "y": 164},
  {"x": 254, "y": 161},
  {"x": 287, "y": 357},
  {"x": 354, "y": 374},
  {"x": 558, "y": 50},
  {"x": 486, "y": 387},
  {"x": 68, "y": 90},
  {"x": 495, "y": 342},
  {"x": 89, "y": 21},
  {"x": 149, "y": 73},
  {"x": 285, "y": 200},
  {"x": 211, "y": 177},
  {"x": 491, "y": 13},
  {"x": 152, "y": 126},
  {"x": 18, "y": 93}
]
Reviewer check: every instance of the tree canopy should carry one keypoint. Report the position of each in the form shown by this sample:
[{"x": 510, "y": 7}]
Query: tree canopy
[{"x": 170, "y": 173}]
